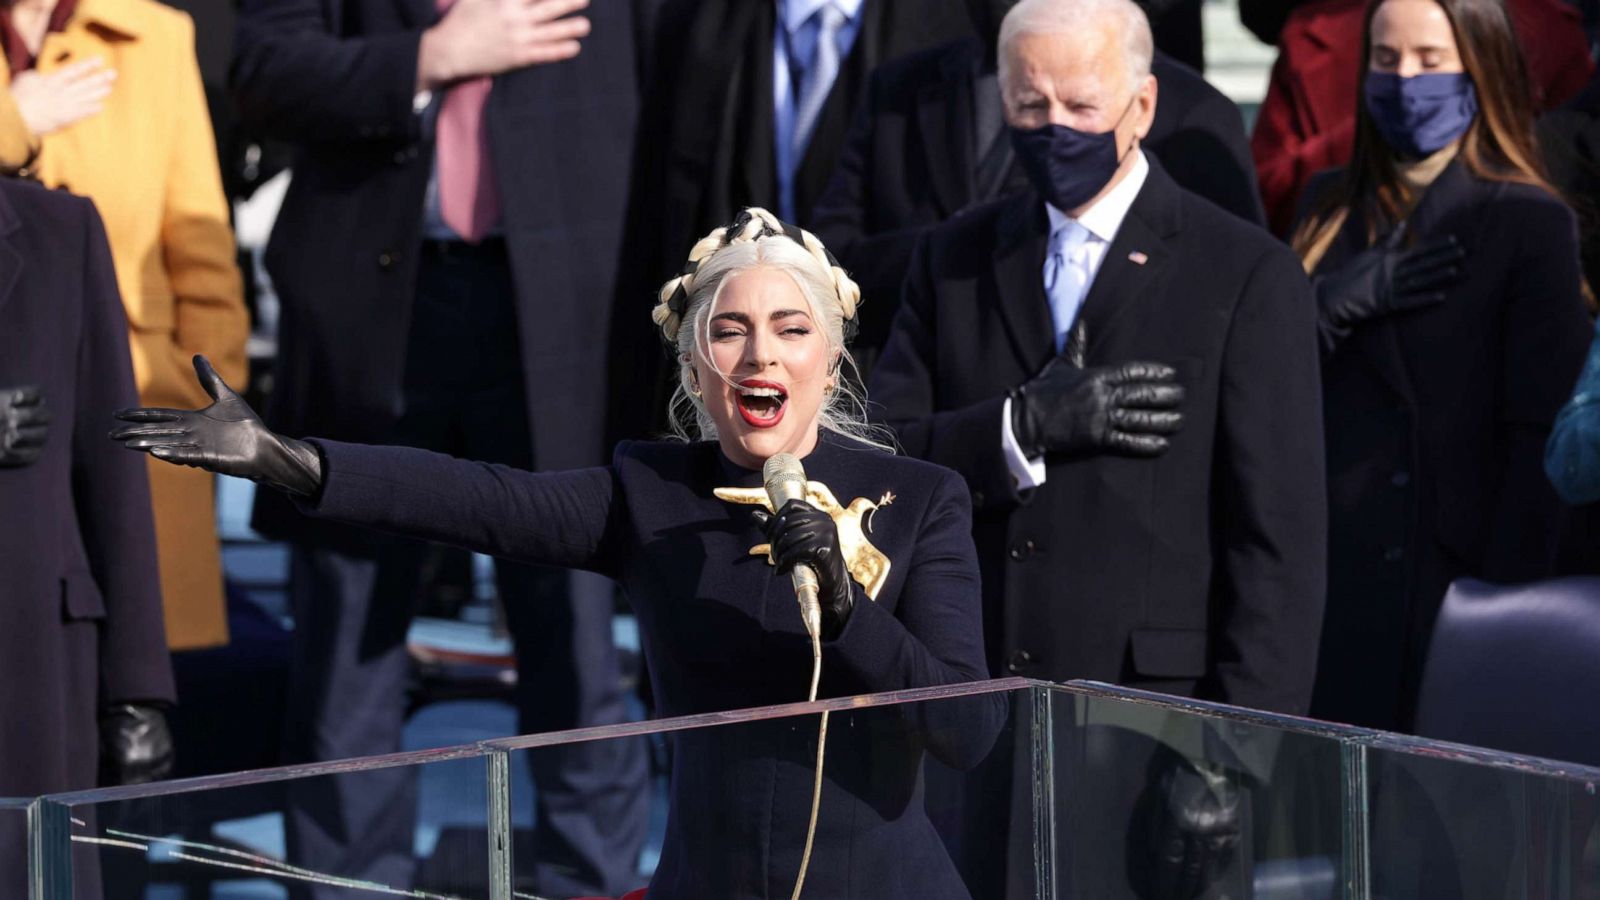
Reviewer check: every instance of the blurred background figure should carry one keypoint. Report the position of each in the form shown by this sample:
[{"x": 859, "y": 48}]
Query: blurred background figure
[
  {"x": 103, "y": 98},
  {"x": 443, "y": 257},
  {"x": 84, "y": 672},
  {"x": 749, "y": 106},
  {"x": 1451, "y": 311},
  {"x": 929, "y": 140},
  {"x": 1572, "y": 458},
  {"x": 1307, "y": 122}
]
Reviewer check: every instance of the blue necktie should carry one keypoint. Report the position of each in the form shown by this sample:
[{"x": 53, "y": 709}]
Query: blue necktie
[
  {"x": 1066, "y": 277},
  {"x": 819, "y": 77}
]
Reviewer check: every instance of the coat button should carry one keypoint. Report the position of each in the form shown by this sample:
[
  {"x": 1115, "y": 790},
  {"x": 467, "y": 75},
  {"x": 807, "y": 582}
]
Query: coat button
[
  {"x": 1022, "y": 551},
  {"x": 388, "y": 259},
  {"x": 1394, "y": 554},
  {"x": 1400, "y": 479},
  {"x": 401, "y": 157},
  {"x": 978, "y": 498},
  {"x": 1020, "y": 660}
]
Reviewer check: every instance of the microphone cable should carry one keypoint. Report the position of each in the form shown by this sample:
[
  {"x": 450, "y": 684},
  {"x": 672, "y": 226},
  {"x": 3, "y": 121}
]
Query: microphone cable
[{"x": 822, "y": 744}]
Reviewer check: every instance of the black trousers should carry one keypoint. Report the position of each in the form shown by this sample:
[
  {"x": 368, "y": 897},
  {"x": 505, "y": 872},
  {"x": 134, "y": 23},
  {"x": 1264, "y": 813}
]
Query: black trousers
[{"x": 349, "y": 667}]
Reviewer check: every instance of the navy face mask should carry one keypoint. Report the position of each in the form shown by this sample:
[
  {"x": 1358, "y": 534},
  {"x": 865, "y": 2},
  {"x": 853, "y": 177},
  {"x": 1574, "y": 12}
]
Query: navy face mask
[
  {"x": 1067, "y": 166},
  {"x": 1420, "y": 115}
]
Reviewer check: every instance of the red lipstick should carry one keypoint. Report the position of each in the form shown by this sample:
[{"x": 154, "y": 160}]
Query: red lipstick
[{"x": 762, "y": 403}]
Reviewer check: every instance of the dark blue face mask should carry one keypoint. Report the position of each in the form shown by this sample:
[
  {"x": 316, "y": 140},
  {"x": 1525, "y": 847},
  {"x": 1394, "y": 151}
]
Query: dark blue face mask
[
  {"x": 1067, "y": 166},
  {"x": 1423, "y": 114}
]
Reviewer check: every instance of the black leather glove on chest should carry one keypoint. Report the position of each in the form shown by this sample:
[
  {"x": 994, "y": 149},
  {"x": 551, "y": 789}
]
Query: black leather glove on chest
[
  {"x": 24, "y": 425},
  {"x": 1127, "y": 409},
  {"x": 1383, "y": 280}
]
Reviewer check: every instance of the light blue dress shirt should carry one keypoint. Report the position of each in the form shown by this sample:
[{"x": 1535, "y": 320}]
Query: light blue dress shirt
[{"x": 794, "y": 52}]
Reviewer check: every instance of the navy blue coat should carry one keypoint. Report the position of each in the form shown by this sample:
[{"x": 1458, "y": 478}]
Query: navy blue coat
[
  {"x": 80, "y": 597},
  {"x": 337, "y": 78},
  {"x": 1199, "y": 572},
  {"x": 720, "y": 632},
  {"x": 1436, "y": 423}
]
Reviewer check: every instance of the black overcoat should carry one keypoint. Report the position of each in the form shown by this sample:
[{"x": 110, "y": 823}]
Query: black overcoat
[
  {"x": 909, "y": 163},
  {"x": 1436, "y": 422},
  {"x": 338, "y": 78},
  {"x": 80, "y": 591},
  {"x": 705, "y": 151},
  {"x": 1198, "y": 572},
  {"x": 721, "y": 632}
]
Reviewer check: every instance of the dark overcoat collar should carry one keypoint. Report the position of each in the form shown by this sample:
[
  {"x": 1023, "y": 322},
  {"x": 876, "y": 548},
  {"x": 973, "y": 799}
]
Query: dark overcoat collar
[{"x": 1126, "y": 282}]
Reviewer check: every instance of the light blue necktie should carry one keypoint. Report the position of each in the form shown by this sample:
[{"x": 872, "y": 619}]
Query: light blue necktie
[
  {"x": 819, "y": 77},
  {"x": 1066, "y": 277}
]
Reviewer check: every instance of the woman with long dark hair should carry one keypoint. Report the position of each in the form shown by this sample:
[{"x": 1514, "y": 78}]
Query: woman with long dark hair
[{"x": 1452, "y": 318}]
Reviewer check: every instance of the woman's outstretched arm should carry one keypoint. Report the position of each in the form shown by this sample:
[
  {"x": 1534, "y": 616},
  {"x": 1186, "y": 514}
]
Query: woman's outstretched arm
[{"x": 566, "y": 519}]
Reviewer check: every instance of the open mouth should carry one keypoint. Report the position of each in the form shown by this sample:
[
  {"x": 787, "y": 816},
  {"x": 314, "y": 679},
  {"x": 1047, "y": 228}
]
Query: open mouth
[{"x": 762, "y": 402}]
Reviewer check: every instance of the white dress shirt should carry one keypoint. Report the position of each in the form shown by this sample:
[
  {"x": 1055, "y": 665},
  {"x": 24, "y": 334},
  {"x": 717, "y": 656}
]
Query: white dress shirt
[{"x": 1102, "y": 221}]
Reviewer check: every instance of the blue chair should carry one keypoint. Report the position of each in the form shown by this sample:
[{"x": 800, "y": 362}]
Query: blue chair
[{"x": 1516, "y": 668}]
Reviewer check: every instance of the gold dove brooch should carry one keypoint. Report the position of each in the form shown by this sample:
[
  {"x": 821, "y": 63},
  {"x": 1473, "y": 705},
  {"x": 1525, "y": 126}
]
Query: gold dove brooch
[{"x": 866, "y": 563}]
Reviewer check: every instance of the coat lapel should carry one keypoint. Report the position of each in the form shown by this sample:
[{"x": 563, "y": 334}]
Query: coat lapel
[
  {"x": 10, "y": 258},
  {"x": 1022, "y": 234},
  {"x": 944, "y": 116},
  {"x": 1135, "y": 262}
]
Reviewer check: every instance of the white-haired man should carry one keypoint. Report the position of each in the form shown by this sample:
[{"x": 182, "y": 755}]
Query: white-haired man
[{"x": 1127, "y": 376}]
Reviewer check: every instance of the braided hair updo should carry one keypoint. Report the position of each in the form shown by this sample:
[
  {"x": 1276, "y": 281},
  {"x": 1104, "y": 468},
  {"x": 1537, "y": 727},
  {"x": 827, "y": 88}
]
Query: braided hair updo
[{"x": 758, "y": 239}]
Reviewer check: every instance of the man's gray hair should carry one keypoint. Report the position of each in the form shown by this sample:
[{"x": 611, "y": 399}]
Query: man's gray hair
[{"x": 1074, "y": 17}]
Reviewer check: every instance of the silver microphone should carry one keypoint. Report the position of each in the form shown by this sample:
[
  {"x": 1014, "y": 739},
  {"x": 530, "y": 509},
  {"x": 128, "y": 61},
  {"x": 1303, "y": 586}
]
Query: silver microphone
[{"x": 786, "y": 480}]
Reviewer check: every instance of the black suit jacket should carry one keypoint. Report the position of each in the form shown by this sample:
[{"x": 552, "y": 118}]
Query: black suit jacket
[
  {"x": 80, "y": 595},
  {"x": 338, "y": 78},
  {"x": 910, "y": 159},
  {"x": 720, "y": 631},
  {"x": 705, "y": 150},
  {"x": 1436, "y": 423},
  {"x": 1200, "y": 571}
]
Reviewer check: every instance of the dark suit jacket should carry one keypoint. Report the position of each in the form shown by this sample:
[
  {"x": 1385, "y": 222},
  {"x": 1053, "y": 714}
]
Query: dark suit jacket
[
  {"x": 705, "y": 150},
  {"x": 1436, "y": 423},
  {"x": 81, "y": 597},
  {"x": 1197, "y": 572},
  {"x": 337, "y": 77},
  {"x": 721, "y": 632},
  {"x": 909, "y": 163}
]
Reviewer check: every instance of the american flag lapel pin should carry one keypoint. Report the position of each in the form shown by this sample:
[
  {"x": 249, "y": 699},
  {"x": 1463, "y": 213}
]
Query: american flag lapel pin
[{"x": 1138, "y": 258}]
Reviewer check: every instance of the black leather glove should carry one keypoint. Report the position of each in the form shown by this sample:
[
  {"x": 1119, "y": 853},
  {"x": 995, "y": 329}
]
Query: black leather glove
[
  {"x": 1385, "y": 278},
  {"x": 226, "y": 437},
  {"x": 135, "y": 744},
  {"x": 1196, "y": 830},
  {"x": 801, "y": 533},
  {"x": 24, "y": 425},
  {"x": 1127, "y": 409}
]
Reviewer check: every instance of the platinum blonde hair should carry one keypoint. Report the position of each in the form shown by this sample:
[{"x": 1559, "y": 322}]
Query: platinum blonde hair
[
  {"x": 1074, "y": 17},
  {"x": 687, "y": 302}
]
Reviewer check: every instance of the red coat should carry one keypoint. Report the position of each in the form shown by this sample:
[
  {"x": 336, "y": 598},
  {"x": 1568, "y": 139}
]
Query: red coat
[{"x": 1307, "y": 121}]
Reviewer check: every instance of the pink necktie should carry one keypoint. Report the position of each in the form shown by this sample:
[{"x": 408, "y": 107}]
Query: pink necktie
[{"x": 468, "y": 202}]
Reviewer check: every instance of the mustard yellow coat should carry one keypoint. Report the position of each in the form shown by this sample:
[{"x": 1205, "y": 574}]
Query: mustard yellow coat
[{"x": 148, "y": 160}]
